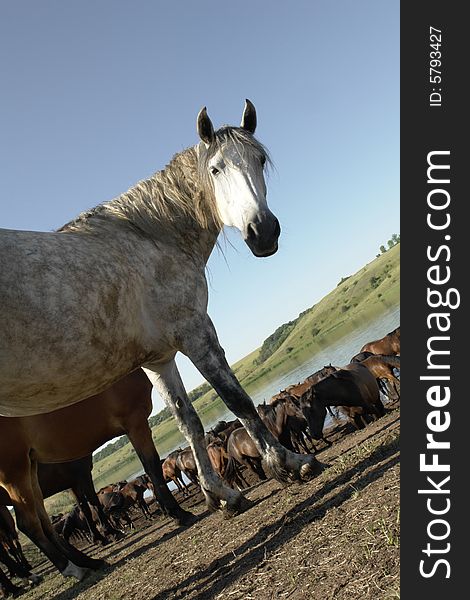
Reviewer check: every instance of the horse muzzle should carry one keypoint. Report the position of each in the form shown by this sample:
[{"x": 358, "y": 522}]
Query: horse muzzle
[{"x": 262, "y": 236}]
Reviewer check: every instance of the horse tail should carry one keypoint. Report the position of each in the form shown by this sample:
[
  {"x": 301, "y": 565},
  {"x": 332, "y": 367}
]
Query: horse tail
[{"x": 230, "y": 470}]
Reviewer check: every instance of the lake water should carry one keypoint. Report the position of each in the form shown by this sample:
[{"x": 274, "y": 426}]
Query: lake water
[{"x": 338, "y": 354}]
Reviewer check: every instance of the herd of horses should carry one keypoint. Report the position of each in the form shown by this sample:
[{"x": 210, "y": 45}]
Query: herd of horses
[{"x": 295, "y": 417}]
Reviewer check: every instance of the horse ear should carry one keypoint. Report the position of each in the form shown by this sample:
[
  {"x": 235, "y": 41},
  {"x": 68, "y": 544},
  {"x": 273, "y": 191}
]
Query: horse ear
[
  {"x": 204, "y": 127},
  {"x": 249, "y": 117}
]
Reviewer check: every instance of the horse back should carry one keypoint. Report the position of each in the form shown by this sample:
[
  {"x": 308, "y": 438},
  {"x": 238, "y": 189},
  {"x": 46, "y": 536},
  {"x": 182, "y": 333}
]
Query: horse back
[
  {"x": 240, "y": 444},
  {"x": 351, "y": 383}
]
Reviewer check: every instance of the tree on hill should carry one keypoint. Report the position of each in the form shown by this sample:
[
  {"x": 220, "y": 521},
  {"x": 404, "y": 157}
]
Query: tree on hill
[
  {"x": 393, "y": 241},
  {"x": 272, "y": 343}
]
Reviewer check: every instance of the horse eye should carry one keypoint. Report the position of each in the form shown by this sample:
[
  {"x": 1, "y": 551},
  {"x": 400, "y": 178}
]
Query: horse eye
[
  {"x": 263, "y": 161},
  {"x": 214, "y": 171}
]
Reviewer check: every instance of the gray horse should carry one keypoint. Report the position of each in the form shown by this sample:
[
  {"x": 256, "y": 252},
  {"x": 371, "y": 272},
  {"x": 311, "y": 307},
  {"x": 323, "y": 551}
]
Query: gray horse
[{"x": 123, "y": 285}]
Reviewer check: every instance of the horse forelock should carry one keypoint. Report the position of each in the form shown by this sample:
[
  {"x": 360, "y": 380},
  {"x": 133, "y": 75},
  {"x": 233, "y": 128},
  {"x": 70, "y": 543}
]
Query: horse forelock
[{"x": 240, "y": 140}]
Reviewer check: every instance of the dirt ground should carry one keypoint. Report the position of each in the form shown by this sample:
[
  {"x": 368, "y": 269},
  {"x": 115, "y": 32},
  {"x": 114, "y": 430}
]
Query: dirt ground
[{"x": 334, "y": 537}]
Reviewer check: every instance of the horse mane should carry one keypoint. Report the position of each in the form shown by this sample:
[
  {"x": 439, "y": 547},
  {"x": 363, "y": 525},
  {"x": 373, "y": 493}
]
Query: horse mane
[
  {"x": 172, "y": 196},
  {"x": 180, "y": 194},
  {"x": 276, "y": 402}
]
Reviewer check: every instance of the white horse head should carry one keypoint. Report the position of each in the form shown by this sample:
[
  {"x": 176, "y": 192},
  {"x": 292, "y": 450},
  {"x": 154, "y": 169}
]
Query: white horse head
[{"x": 234, "y": 162}]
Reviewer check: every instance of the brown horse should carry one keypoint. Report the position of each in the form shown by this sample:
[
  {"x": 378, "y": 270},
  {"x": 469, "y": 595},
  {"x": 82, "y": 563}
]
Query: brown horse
[
  {"x": 285, "y": 421},
  {"x": 171, "y": 472},
  {"x": 296, "y": 390},
  {"x": 116, "y": 506},
  {"x": 70, "y": 433},
  {"x": 186, "y": 464},
  {"x": 321, "y": 374},
  {"x": 241, "y": 447},
  {"x": 223, "y": 429},
  {"x": 353, "y": 385},
  {"x": 382, "y": 368},
  {"x": 134, "y": 492},
  {"x": 360, "y": 356},
  {"x": 225, "y": 465},
  {"x": 76, "y": 475},
  {"x": 388, "y": 345}
]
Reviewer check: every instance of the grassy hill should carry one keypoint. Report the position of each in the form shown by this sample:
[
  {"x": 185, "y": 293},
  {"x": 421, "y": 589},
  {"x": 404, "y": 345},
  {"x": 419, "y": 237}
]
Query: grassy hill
[{"x": 356, "y": 300}]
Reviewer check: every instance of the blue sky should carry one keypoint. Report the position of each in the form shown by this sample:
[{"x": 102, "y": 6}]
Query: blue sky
[{"x": 98, "y": 95}]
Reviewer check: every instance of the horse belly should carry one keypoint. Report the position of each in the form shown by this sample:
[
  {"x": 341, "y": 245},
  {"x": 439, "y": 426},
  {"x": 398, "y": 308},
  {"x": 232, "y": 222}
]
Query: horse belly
[{"x": 80, "y": 313}]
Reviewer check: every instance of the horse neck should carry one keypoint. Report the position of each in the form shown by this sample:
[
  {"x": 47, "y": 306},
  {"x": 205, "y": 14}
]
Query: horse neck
[
  {"x": 200, "y": 225},
  {"x": 392, "y": 361},
  {"x": 174, "y": 207}
]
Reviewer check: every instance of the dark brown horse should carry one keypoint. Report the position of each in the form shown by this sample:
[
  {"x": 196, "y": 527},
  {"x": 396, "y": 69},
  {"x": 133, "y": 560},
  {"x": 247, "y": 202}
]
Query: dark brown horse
[
  {"x": 73, "y": 525},
  {"x": 76, "y": 475},
  {"x": 241, "y": 447},
  {"x": 321, "y": 374},
  {"x": 9, "y": 538},
  {"x": 223, "y": 429},
  {"x": 12, "y": 556},
  {"x": 67, "y": 434},
  {"x": 388, "y": 345},
  {"x": 360, "y": 356},
  {"x": 297, "y": 391},
  {"x": 353, "y": 385},
  {"x": 116, "y": 506}
]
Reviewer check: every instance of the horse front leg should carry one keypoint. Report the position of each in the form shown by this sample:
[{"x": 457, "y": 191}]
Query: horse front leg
[
  {"x": 167, "y": 381},
  {"x": 204, "y": 350}
]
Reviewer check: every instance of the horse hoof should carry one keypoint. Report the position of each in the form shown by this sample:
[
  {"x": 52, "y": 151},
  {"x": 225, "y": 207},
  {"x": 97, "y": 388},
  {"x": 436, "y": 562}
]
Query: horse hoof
[
  {"x": 291, "y": 467},
  {"x": 311, "y": 469},
  {"x": 239, "y": 506},
  {"x": 118, "y": 535},
  {"x": 15, "y": 591},
  {"x": 102, "y": 542},
  {"x": 72, "y": 570},
  {"x": 96, "y": 564},
  {"x": 187, "y": 519},
  {"x": 35, "y": 579}
]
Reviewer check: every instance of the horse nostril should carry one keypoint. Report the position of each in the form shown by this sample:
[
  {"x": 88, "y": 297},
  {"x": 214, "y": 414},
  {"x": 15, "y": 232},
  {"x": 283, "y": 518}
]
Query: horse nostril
[{"x": 251, "y": 231}]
